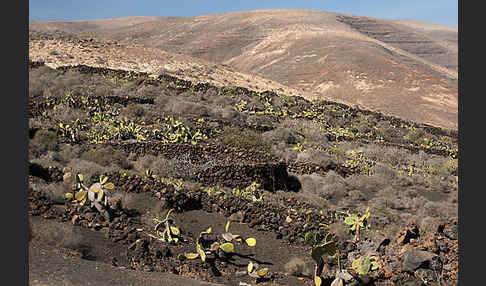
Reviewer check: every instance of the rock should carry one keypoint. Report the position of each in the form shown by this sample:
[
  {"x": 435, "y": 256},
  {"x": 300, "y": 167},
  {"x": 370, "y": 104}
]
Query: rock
[
  {"x": 165, "y": 252},
  {"x": 414, "y": 259},
  {"x": 364, "y": 280},
  {"x": 237, "y": 217},
  {"x": 240, "y": 273},
  {"x": 345, "y": 276},
  {"x": 337, "y": 282},
  {"x": 366, "y": 246},
  {"x": 425, "y": 274},
  {"x": 404, "y": 236},
  {"x": 379, "y": 240},
  {"x": 66, "y": 177},
  {"x": 75, "y": 219},
  {"x": 451, "y": 232},
  {"x": 90, "y": 216},
  {"x": 255, "y": 222},
  {"x": 291, "y": 238},
  {"x": 131, "y": 237},
  {"x": 285, "y": 232}
]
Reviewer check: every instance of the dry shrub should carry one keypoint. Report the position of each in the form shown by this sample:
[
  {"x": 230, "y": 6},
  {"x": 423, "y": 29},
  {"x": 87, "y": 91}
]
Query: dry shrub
[
  {"x": 134, "y": 201},
  {"x": 334, "y": 192},
  {"x": 120, "y": 90},
  {"x": 150, "y": 91},
  {"x": 66, "y": 114},
  {"x": 453, "y": 197},
  {"x": 451, "y": 166},
  {"x": 316, "y": 157},
  {"x": 39, "y": 79},
  {"x": 63, "y": 83},
  {"x": 313, "y": 183},
  {"x": 179, "y": 107},
  {"x": 160, "y": 165},
  {"x": 229, "y": 113},
  {"x": 438, "y": 185},
  {"x": 221, "y": 101},
  {"x": 297, "y": 267},
  {"x": 428, "y": 224},
  {"x": 365, "y": 123},
  {"x": 387, "y": 198},
  {"x": 106, "y": 156},
  {"x": 68, "y": 152},
  {"x": 389, "y": 155},
  {"x": 145, "y": 162},
  {"x": 414, "y": 204},
  {"x": 161, "y": 101},
  {"x": 384, "y": 172},
  {"x": 333, "y": 188},
  {"x": 386, "y": 130},
  {"x": 282, "y": 134},
  {"x": 310, "y": 131},
  {"x": 132, "y": 110},
  {"x": 90, "y": 170},
  {"x": 49, "y": 159},
  {"x": 357, "y": 195},
  {"x": 56, "y": 191},
  {"x": 178, "y": 167},
  {"x": 152, "y": 112},
  {"x": 439, "y": 209},
  {"x": 36, "y": 122},
  {"x": 246, "y": 139},
  {"x": 285, "y": 152},
  {"x": 334, "y": 178},
  {"x": 367, "y": 184},
  {"x": 348, "y": 203},
  {"x": 43, "y": 141},
  {"x": 416, "y": 134},
  {"x": 340, "y": 230}
]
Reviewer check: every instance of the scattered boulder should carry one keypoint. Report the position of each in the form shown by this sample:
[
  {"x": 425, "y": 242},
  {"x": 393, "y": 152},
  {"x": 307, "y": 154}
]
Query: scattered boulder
[
  {"x": 452, "y": 232},
  {"x": 414, "y": 259},
  {"x": 404, "y": 236}
]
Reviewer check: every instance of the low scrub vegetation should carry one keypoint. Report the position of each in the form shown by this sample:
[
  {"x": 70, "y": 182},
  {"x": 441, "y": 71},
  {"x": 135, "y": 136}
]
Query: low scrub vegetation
[{"x": 314, "y": 172}]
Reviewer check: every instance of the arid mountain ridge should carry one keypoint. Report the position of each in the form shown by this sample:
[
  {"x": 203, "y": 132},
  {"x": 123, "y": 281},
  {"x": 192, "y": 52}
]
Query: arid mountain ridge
[{"x": 398, "y": 67}]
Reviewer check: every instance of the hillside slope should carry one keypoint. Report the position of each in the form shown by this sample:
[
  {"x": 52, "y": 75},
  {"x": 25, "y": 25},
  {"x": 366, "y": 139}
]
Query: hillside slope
[
  {"x": 280, "y": 168},
  {"x": 401, "y": 68}
]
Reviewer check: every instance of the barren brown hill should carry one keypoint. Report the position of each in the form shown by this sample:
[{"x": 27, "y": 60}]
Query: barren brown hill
[
  {"x": 403, "y": 68},
  {"x": 58, "y": 49}
]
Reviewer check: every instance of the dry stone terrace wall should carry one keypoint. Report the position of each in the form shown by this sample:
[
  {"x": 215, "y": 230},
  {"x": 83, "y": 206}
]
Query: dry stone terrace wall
[
  {"x": 266, "y": 216},
  {"x": 183, "y": 85},
  {"x": 258, "y": 124},
  {"x": 233, "y": 167},
  {"x": 271, "y": 176},
  {"x": 230, "y": 168}
]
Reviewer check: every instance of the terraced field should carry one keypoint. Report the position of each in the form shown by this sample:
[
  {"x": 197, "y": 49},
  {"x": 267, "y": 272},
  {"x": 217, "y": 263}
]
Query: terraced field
[{"x": 150, "y": 174}]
